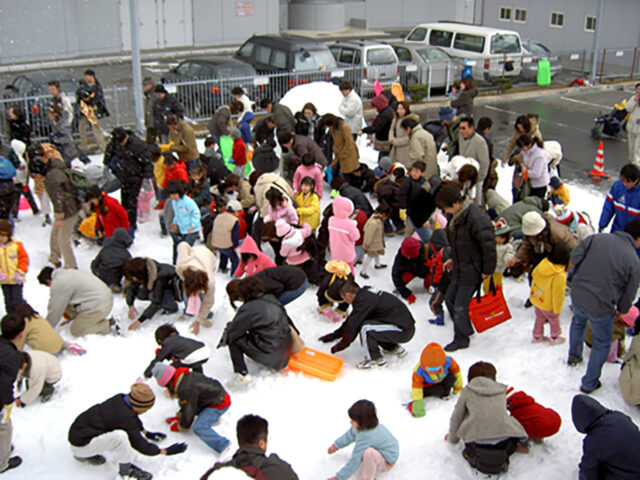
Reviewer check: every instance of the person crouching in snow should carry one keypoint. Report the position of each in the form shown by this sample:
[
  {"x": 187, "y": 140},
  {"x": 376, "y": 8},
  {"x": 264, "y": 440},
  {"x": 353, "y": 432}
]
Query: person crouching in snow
[
  {"x": 539, "y": 422},
  {"x": 373, "y": 243},
  {"x": 252, "y": 260},
  {"x": 195, "y": 267},
  {"x": 380, "y": 318},
  {"x": 110, "y": 214},
  {"x": 434, "y": 376},
  {"x": 14, "y": 263},
  {"x": 108, "y": 265},
  {"x": 182, "y": 351},
  {"x": 202, "y": 400},
  {"x": 579, "y": 223},
  {"x": 410, "y": 262},
  {"x": 293, "y": 248},
  {"x": 113, "y": 426},
  {"x": 40, "y": 371},
  {"x": 337, "y": 274},
  {"x": 558, "y": 193}
]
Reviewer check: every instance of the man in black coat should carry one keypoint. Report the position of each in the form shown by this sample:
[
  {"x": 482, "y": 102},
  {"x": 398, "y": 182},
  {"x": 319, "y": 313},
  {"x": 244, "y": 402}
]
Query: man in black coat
[
  {"x": 164, "y": 104},
  {"x": 113, "y": 427},
  {"x": 129, "y": 159},
  {"x": 264, "y": 130},
  {"x": 610, "y": 448},
  {"x": 108, "y": 265},
  {"x": 380, "y": 319},
  {"x": 358, "y": 198},
  {"x": 92, "y": 107},
  {"x": 284, "y": 282}
]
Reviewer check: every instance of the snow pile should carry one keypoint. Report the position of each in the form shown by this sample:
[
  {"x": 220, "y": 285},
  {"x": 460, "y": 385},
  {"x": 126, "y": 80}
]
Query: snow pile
[{"x": 324, "y": 95}]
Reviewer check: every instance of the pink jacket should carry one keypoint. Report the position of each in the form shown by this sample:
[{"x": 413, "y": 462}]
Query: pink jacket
[
  {"x": 253, "y": 266},
  {"x": 343, "y": 232},
  {"x": 314, "y": 172},
  {"x": 291, "y": 243},
  {"x": 286, "y": 211}
]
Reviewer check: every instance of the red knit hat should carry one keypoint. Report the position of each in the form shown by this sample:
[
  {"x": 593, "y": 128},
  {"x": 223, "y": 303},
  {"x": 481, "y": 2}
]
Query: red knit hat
[
  {"x": 432, "y": 356},
  {"x": 410, "y": 247}
]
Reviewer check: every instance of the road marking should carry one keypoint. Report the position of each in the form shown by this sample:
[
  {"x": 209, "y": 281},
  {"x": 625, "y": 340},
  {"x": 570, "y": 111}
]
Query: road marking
[
  {"x": 515, "y": 114},
  {"x": 591, "y": 104}
]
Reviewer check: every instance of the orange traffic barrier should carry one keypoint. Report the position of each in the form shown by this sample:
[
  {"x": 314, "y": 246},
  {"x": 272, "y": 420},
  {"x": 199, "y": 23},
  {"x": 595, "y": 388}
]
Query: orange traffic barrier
[{"x": 597, "y": 172}]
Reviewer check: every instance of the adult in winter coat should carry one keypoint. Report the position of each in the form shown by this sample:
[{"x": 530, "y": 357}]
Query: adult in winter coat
[
  {"x": 623, "y": 200},
  {"x": 606, "y": 280},
  {"x": 298, "y": 146},
  {"x": 536, "y": 164},
  {"x": 282, "y": 116},
  {"x": 358, "y": 198},
  {"x": 220, "y": 123},
  {"x": 260, "y": 329},
  {"x": 473, "y": 258},
  {"x": 164, "y": 104},
  {"x": 609, "y": 449},
  {"x": 110, "y": 215},
  {"x": 9, "y": 366},
  {"x": 398, "y": 136},
  {"x": 633, "y": 127},
  {"x": 108, "y": 265},
  {"x": 350, "y": 107},
  {"x": 61, "y": 134},
  {"x": 40, "y": 371},
  {"x": 284, "y": 282},
  {"x": 514, "y": 214},
  {"x": 113, "y": 427},
  {"x": 81, "y": 295},
  {"x": 422, "y": 147},
  {"x": 264, "y": 131},
  {"x": 149, "y": 100},
  {"x": 473, "y": 145},
  {"x": 345, "y": 150},
  {"x": 464, "y": 103},
  {"x": 265, "y": 158},
  {"x": 182, "y": 139},
  {"x": 90, "y": 107},
  {"x": 195, "y": 266},
  {"x": 630, "y": 372},
  {"x": 266, "y": 182},
  {"x": 418, "y": 203},
  {"x": 522, "y": 125},
  {"x": 146, "y": 279},
  {"x": 379, "y": 318},
  {"x": 19, "y": 129},
  {"x": 381, "y": 125}
]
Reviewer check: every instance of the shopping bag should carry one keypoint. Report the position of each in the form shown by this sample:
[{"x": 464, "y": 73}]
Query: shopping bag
[{"x": 488, "y": 310}]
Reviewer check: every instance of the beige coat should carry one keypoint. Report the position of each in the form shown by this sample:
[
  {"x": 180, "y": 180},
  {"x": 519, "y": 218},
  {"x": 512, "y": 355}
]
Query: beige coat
[
  {"x": 221, "y": 233},
  {"x": 184, "y": 142},
  {"x": 630, "y": 374},
  {"x": 374, "y": 236},
  {"x": 554, "y": 233},
  {"x": 422, "y": 147},
  {"x": 199, "y": 258},
  {"x": 345, "y": 150},
  {"x": 44, "y": 368},
  {"x": 262, "y": 186},
  {"x": 245, "y": 197},
  {"x": 400, "y": 140},
  {"x": 476, "y": 147},
  {"x": 40, "y": 335}
]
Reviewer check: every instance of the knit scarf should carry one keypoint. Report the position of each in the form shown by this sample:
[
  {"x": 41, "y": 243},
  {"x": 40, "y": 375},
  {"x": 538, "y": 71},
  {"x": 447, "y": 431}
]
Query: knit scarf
[{"x": 456, "y": 216}]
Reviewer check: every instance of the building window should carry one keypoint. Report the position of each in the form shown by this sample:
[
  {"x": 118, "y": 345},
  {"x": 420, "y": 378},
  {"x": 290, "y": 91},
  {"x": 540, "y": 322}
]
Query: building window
[
  {"x": 590, "y": 24},
  {"x": 557, "y": 20},
  {"x": 505, "y": 14},
  {"x": 520, "y": 15}
]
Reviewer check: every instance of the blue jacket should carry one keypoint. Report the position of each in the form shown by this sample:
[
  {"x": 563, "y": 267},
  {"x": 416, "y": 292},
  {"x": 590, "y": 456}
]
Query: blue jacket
[
  {"x": 379, "y": 438},
  {"x": 186, "y": 214},
  {"x": 244, "y": 125},
  {"x": 623, "y": 204},
  {"x": 610, "y": 449}
]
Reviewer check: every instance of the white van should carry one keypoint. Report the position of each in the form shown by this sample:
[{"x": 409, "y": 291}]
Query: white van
[{"x": 491, "y": 52}]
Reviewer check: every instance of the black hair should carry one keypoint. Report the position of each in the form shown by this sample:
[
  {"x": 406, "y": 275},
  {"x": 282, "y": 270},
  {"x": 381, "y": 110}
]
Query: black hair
[
  {"x": 137, "y": 268},
  {"x": 164, "y": 331},
  {"x": 25, "y": 310},
  {"x": 155, "y": 151},
  {"x": 25, "y": 358},
  {"x": 209, "y": 141},
  {"x": 524, "y": 121},
  {"x": 399, "y": 172},
  {"x": 531, "y": 115},
  {"x": 250, "y": 429},
  {"x": 345, "y": 85},
  {"x": 44, "y": 275},
  {"x": 12, "y": 325},
  {"x": 19, "y": 113},
  {"x": 54, "y": 83},
  {"x": 468, "y": 173},
  {"x": 384, "y": 208},
  {"x": 172, "y": 119},
  {"x": 419, "y": 165},
  {"x": 526, "y": 140},
  {"x": 408, "y": 123},
  {"x": 633, "y": 228},
  {"x": 337, "y": 182},
  {"x": 349, "y": 287},
  {"x": 484, "y": 123},
  {"x": 119, "y": 134},
  {"x": 93, "y": 191},
  {"x": 330, "y": 120},
  {"x": 90, "y": 72},
  {"x": 560, "y": 254},
  {"x": 176, "y": 186},
  {"x": 448, "y": 195},
  {"x": 274, "y": 197},
  {"x": 284, "y": 136},
  {"x": 363, "y": 412},
  {"x": 468, "y": 121},
  {"x": 630, "y": 172},
  {"x": 265, "y": 102},
  {"x": 308, "y": 159},
  {"x": 237, "y": 91},
  {"x": 309, "y": 181}
]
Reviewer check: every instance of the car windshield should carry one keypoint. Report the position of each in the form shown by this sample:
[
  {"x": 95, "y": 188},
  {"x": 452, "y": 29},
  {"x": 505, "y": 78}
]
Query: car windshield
[
  {"x": 230, "y": 71},
  {"x": 380, "y": 56},
  {"x": 418, "y": 34},
  {"x": 433, "y": 55},
  {"x": 537, "y": 49},
  {"x": 314, "y": 60},
  {"x": 505, "y": 43}
]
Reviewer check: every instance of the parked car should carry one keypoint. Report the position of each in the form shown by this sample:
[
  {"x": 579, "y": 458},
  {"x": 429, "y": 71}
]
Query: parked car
[
  {"x": 299, "y": 59},
  {"x": 202, "y": 99},
  {"x": 417, "y": 59},
  {"x": 377, "y": 60},
  {"x": 537, "y": 51}
]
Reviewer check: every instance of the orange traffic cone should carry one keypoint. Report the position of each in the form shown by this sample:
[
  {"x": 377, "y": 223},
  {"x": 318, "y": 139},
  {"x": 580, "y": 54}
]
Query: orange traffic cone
[{"x": 597, "y": 172}]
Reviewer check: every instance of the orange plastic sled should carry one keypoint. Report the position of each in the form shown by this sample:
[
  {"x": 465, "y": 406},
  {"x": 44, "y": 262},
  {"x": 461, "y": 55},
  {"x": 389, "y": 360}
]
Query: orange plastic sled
[{"x": 317, "y": 364}]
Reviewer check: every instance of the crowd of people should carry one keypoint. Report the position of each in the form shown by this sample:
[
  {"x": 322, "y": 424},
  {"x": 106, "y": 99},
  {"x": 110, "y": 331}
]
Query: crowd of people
[{"x": 257, "y": 218}]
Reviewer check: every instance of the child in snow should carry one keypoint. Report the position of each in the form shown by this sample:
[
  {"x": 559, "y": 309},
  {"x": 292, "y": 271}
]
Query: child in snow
[
  {"x": 309, "y": 168},
  {"x": 336, "y": 275},
  {"x": 505, "y": 251},
  {"x": 202, "y": 401},
  {"x": 280, "y": 207},
  {"x": 373, "y": 243},
  {"x": 225, "y": 236},
  {"x": 343, "y": 232},
  {"x": 438, "y": 251},
  {"x": 579, "y": 223},
  {"x": 434, "y": 376},
  {"x": 252, "y": 260},
  {"x": 174, "y": 169},
  {"x": 158, "y": 167},
  {"x": 539, "y": 422},
  {"x": 387, "y": 190},
  {"x": 410, "y": 262},
  {"x": 199, "y": 188},
  {"x": 184, "y": 225},
  {"x": 14, "y": 263},
  {"x": 558, "y": 193},
  {"x": 308, "y": 203},
  {"x": 238, "y": 153},
  {"x": 293, "y": 248},
  {"x": 620, "y": 325},
  {"x": 108, "y": 265},
  {"x": 40, "y": 371},
  {"x": 375, "y": 449},
  {"x": 548, "y": 284},
  {"x": 181, "y": 351}
]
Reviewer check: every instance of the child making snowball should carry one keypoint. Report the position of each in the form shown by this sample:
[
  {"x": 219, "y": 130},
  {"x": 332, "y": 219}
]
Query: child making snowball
[
  {"x": 549, "y": 280},
  {"x": 182, "y": 351},
  {"x": 373, "y": 243},
  {"x": 41, "y": 371},
  {"x": 309, "y": 168},
  {"x": 308, "y": 203},
  {"x": 375, "y": 450},
  {"x": 14, "y": 263}
]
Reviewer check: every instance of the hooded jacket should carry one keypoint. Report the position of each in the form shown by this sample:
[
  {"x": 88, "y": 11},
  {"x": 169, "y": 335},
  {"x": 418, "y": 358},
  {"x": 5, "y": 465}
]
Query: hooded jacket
[
  {"x": 374, "y": 236},
  {"x": 114, "y": 216},
  {"x": 108, "y": 265},
  {"x": 610, "y": 448},
  {"x": 244, "y": 125},
  {"x": 271, "y": 467},
  {"x": 538, "y": 421},
  {"x": 308, "y": 209},
  {"x": 405, "y": 269},
  {"x": 162, "y": 108},
  {"x": 199, "y": 258},
  {"x": 382, "y": 123},
  {"x": 13, "y": 259},
  {"x": 161, "y": 278},
  {"x": 314, "y": 172},
  {"x": 262, "y": 186},
  {"x": 547, "y": 286},
  {"x": 130, "y": 162},
  {"x": 351, "y": 110},
  {"x": 554, "y": 232},
  {"x": 264, "y": 158},
  {"x": 292, "y": 248},
  {"x": 343, "y": 232},
  {"x": 514, "y": 213},
  {"x": 285, "y": 211},
  {"x": 536, "y": 162},
  {"x": 359, "y": 199},
  {"x": 252, "y": 267},
  {"x": 280, "y": 279}
]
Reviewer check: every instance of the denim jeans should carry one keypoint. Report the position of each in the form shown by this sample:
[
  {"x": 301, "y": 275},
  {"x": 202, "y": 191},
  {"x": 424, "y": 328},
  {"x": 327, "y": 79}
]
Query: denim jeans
[
  {"x": 202, "y": 427},
  {"x": 423, "y": 232},
  {"x": 602, "y": 333},
  {"x": 228, "y": 254},
  {"x": 178, "y": 237},
  {"x": 290, "y": 295},
  {"x": 457, "y": 301}
]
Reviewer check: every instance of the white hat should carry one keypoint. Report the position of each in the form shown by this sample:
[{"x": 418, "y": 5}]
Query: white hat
[
  {"x": 533, "y": 223},
  {"x": 234, "y": 206}
]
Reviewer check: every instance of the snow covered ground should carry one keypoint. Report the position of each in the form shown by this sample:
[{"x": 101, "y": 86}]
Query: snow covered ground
[{"x": 305, "y": 414}]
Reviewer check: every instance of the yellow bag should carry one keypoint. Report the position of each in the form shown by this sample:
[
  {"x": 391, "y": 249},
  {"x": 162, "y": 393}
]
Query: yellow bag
[{"x": 87, "y": 227}]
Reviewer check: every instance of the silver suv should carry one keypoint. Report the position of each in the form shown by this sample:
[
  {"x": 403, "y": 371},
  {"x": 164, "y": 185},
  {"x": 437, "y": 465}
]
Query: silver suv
[{"x": 377, "y": 60}]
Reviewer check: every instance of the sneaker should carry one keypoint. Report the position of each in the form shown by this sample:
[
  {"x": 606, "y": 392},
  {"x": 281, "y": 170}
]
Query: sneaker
[
  {"x": 539, "y": 339},
  {"x": 129, "y": 470},
  {"x": 572, "y": 361},
  {"x": 367, "y": 364},
  {"x": 76, "y": 349},
  {"x": 379, "y": 267},
  {"x": 398, "y": 351},
  {"x": 590, "y": 390},
  {"x": 12, "y": 463},
  {"x": 439, "y": 320},
  {"x": 528, "y": 304},
  {"x": 115, "y": 326},
  {"x": 365, "y": 275},
  {"x": 559, "y": 340},
  {"x": 223, "y": 270},
  {"x": 95, "y": 460},
  {"x": 241, "y": 380},
  {"x": 453, "y": 346}
]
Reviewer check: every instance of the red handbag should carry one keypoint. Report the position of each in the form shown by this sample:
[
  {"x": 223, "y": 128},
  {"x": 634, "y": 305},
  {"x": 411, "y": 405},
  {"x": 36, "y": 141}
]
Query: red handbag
[{"x": 489, "y": 310}]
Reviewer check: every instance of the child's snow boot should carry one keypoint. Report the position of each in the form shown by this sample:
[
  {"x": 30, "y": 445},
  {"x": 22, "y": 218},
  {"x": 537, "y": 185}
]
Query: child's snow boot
[{"x": 439, "y": 320}]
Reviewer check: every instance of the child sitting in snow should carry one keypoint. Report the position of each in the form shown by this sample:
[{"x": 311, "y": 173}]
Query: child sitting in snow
[
  {"x": 558, "y": 193},
  {"x": 373, "y": 242},
  {"x": 308, "y": 169},
  {"x": 505, "y": 251},
  {"x": 182, "y": 351},
  {"x": 308, "y": 203},
  {"x": 548, "y": 284},
  {"x": 434, "y": 376},
  {"x": 375, "y": 449},
  {"x": 41, "y": 371},
  {"x": 14, "y": 263},
  {"x": 336, "y": 275}
]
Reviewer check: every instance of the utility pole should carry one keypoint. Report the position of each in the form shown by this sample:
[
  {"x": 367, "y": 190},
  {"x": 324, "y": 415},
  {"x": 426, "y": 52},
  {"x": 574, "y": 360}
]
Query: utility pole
[
  {"x": 135, "y": 66},
  {"x": 596, "y": 42}
]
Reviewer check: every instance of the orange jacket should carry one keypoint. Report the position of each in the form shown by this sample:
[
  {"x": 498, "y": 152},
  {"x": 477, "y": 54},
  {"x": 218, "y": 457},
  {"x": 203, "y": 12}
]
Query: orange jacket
[{"x": 13, "y": 259}]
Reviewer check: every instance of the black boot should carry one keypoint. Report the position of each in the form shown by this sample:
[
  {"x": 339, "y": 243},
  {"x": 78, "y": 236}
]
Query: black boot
[
  {"x": 129, "y": 470},
  {"x": 95, "y": 460},
  {"x": 47, "y": 392},
  {"x": 12, "y": 463}
]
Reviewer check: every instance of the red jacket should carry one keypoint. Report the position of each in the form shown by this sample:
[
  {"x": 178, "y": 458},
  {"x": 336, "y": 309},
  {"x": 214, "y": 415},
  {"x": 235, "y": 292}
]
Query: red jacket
[
  {"x": 537, "y": 421},
  {"x": 361, "y": 219},
  {"x": 114, "y": 216},
  {"x": 177, "y": 172},
  {"x": 239, "y": 152}
]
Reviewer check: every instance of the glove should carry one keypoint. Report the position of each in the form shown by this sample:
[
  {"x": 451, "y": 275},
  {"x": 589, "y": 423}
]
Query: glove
[
  {"x": 175, "y": 427},
  {"x": 416, "y": 408},
  {"x": 334, "y": 193},
  {"x": 18, "y": 277},
  {"x": 329, "y": 337},
  {"x": 252, "y": 209},
  {"x": 403, "y": 214},
  {"x": 338, "y": 347},
  {"x": 3, "y": 277},
  {"x": 155, "y": 436},
  {"x": 176, "y": 448},
  {"x": 411, "y": 299},
  {"x": 173, "y": 421},
  {"x": 165, "y": 147}
]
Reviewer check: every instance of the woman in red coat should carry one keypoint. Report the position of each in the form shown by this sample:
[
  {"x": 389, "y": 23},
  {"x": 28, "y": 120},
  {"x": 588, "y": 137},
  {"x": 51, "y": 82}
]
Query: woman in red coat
[{"x": 110, "y": 214}]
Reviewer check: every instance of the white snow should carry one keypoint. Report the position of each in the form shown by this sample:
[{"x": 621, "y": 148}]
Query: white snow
[
  {"x": 324, "y": 95},
  {"x": 305, "y": 414}
]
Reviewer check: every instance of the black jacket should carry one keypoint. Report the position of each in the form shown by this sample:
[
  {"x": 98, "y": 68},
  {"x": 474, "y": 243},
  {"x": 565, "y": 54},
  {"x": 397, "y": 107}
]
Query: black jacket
[
  {"x": 284, "y": 278},
  {"x": 130, "y": 162},
  {"x": 372, "y": 307},
  {"x": 10, "y": 363},
  {"x": 93, "y": 96},
  {"x": 271, "y": 467},
  {"x": 610, "y": 449},
  {"x": 174, "y": 347},
  {"x": 329, "y": 292},
  {"x": 108, "y": 265},
  {"x": 217, "y": 171},
  {"x": 162, "y": 108},
  {"x": 20, "y": 130},
  {"x": 473, "y": 246},
  {"x": 262, "y": 132},
  {"x": 365, "y": 181},
  {"x": 261, "y": 329},
  {"x": 195, "y": 393},
  {"x": 421, "y": 207},
  {"x": 164, "y": 279},
  {"x": 381, "y": 125},
  {"x": 358, "y": 198},
  {"x": 108, "y": 416},
  {"x": 264, "y": 158},
  {"x": 464, "y": 103},
  {"x": 415, "y": 266},
  {"x": 409, "y": 189},
  {"x": 389, "y": 192}
]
